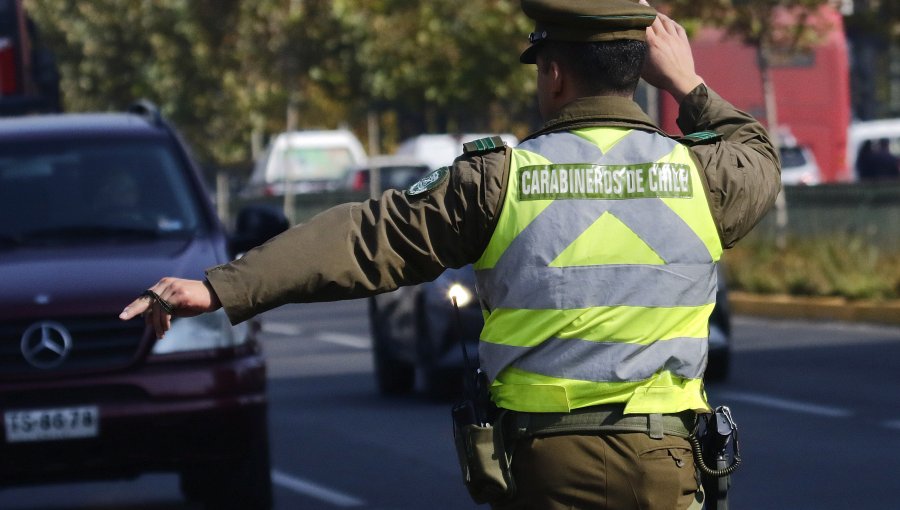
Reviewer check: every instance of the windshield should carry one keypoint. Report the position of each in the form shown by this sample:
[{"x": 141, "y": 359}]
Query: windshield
[
  {"x": 792, "y": 157},
  {"x": 312, "y": 163},
  {"x": 89, "y": 191}
]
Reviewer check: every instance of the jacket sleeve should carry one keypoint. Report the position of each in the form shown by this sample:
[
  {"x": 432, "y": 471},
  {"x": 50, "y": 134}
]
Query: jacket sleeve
[
  {"x": 743, "y": 172},
  {"x": 357, "y": 250}
]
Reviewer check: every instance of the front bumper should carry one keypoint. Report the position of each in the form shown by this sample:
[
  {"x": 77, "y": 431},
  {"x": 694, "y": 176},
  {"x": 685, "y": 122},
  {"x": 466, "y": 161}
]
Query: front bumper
[{"x": 161, "y": 416}]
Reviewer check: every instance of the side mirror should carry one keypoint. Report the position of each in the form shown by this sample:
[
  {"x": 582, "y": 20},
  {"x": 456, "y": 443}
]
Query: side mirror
[{"x": 256, "y": 224}]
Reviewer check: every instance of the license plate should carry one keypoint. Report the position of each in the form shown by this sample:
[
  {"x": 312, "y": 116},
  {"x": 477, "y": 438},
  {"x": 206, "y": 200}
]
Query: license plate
[{"x": 51, "y": 424}]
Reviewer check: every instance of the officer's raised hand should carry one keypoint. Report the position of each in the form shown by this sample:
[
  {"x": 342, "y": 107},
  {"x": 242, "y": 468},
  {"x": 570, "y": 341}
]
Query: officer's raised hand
[
  {"x": 172, "y": 297},
  {"x": 670, "y": 63}
]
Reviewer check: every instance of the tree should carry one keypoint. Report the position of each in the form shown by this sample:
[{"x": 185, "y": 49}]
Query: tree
[
  {"x": 228, "y": 72},
  {"x": 112, "y": 53},
  {"x": 769, "y": 26},
  {"x": 441, "y": 66},
  {"x": 873, "y": 28}
]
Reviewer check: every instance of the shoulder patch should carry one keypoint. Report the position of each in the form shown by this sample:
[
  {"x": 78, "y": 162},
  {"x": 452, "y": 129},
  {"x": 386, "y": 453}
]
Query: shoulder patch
[
  {"x": 700, "y": 138},
  {"x": 483, "y": 145},
  {"x": 429, "y": 182}
]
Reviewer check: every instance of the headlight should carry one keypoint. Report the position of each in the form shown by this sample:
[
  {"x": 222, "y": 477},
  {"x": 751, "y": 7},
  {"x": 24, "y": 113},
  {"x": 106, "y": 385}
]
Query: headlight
[
  {"x": 459, "y": 292},
  {"x": 205, "y": 331}
]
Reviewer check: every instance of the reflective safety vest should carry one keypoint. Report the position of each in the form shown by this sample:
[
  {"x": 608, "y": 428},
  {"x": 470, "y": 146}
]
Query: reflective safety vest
[{"x": 599, "y": 279}]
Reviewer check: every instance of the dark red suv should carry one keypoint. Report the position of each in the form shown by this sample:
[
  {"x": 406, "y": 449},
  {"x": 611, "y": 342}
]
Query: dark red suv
[{"x": 94, "y": 208}]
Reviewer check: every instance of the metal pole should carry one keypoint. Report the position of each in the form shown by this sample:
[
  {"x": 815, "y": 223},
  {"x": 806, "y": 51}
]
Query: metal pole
[
  {"x": 222, "y": 196},
  {"x": 288, "y": 206}
]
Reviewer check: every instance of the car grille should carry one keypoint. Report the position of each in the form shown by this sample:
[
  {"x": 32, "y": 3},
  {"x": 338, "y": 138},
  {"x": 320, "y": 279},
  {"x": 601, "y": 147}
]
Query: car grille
[
  {"x": 64, "y": 395},
  {"x": 97, "y": 344}
]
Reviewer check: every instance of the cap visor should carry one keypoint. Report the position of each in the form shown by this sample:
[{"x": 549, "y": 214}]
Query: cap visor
[{"x": 529, "y": 56}]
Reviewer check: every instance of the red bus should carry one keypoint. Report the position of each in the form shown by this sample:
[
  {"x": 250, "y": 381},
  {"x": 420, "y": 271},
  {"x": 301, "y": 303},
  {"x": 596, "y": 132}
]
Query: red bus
[{"x": 812, "y": 90}]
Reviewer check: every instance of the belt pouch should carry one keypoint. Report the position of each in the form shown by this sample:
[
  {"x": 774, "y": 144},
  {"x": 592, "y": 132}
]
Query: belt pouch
[{"x": 482, "y": 457}]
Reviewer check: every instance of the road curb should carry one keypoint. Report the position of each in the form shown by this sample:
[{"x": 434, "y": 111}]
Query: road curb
[{"x": 826, "y": 308}]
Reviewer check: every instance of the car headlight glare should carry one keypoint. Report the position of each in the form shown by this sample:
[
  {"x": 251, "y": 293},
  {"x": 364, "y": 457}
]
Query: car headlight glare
[
  {"x": 203, "y": 332},
  {"x": 460, "y": 293}
]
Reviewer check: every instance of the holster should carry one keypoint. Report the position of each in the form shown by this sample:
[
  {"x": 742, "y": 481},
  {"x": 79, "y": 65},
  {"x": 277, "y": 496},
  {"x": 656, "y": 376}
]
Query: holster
[
  {"x": 714, "y": 463},
  {"x": 483, "y": 456}
]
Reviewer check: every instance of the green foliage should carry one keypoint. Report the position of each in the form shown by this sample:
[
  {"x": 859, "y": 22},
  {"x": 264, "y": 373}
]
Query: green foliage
[
  {"x": 223, "y": 69},
  {"x": 785, "y": 24},
  {"x": 441, "y": 64},
  {"x": 175, "y": 53},
  {"x": 836, "y": 266},
  {"x": 879, "y": 19}
]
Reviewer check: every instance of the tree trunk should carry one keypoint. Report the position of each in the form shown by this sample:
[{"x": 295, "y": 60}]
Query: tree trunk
[{"x": 768, "y": 86}]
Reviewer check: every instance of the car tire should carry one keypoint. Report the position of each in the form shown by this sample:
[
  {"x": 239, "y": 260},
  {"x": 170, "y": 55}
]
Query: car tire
[
  {"x": 192, "y": 485},
  {"x": 440, "y": 382},
  {"x": 392, "y": 377},
  {"x": 244, "y": 483}
]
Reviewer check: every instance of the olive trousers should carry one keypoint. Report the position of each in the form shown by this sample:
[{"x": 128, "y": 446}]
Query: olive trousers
[{"x": 603, "y": 471}]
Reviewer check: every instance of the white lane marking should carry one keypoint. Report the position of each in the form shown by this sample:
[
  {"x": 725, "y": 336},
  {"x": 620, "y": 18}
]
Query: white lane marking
[
  {"x": 313, "y": 490},
  {"x": 892, "y": 424},
  {"x": 281, "y": 328},
  {"x": 345, "y": 339},
  {"x": 355, "y": 341},
  {"x": 787, "y": 405}
]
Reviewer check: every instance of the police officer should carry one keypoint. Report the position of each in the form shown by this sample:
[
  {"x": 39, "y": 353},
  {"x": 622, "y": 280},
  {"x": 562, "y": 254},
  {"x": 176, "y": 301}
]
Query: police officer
[{"x": 595, "y": 244}]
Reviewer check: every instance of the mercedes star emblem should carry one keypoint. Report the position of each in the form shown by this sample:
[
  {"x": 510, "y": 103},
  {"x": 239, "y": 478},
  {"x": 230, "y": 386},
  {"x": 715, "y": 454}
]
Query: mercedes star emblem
[{"x": 46, "y": 344}]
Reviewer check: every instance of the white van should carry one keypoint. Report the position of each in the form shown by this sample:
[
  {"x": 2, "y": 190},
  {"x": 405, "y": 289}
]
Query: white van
[
  {"x": 864, "y": 135},
  {"x": 798, "y": 164},
  {"x": 439, "y": 150},
  {"x": 309, "y": 161}
]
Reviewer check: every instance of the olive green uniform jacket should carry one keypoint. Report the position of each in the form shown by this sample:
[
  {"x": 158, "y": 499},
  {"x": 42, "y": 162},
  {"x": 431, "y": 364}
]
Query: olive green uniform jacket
[{"x": 359, "y": 249}]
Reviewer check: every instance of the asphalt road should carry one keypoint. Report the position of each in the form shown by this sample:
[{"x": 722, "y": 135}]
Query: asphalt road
[{"x": 817, "y": 405}]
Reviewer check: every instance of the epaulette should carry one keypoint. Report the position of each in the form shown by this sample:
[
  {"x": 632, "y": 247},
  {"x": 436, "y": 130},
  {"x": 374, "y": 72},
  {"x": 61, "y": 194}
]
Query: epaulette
[
  {"x": 483, "y": 145},
  {"x": 700, "y": 138}
]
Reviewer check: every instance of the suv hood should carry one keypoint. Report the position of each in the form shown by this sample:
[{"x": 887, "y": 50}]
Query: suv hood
[{"x": 94, "y": 279}]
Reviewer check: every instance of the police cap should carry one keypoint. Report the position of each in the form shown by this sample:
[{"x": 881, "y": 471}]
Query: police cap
[{"x": 585, "y": 21}]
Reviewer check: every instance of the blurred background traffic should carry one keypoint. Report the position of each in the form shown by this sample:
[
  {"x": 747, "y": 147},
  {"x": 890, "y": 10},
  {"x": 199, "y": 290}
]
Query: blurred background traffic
[{"x": 258, "y": 114}]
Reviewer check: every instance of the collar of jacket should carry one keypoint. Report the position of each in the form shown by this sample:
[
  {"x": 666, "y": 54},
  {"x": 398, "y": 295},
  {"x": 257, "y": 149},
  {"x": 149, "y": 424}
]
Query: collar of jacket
[{"x": 593, "y": 111}]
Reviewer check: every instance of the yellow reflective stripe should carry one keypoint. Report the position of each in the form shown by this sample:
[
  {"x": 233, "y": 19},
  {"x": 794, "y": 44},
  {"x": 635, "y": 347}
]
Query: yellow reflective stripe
[
  {"x": 515, "y": 215},
  {"x": 604, "y": 137},
  {"x": 697, "y": 215},
  {"x": 528, "y": 328},
  {"x": 664, "y": 393},
  {"x": 668, "y": 394},
  {"x": 628, "y": 248}
]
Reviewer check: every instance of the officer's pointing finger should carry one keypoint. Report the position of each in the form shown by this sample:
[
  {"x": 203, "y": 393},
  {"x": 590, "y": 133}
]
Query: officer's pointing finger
[{"x": 135, "y": 308}]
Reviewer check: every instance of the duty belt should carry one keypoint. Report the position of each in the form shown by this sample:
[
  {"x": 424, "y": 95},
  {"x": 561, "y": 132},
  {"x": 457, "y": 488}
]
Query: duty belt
[{"x": 606, "y": 418}]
